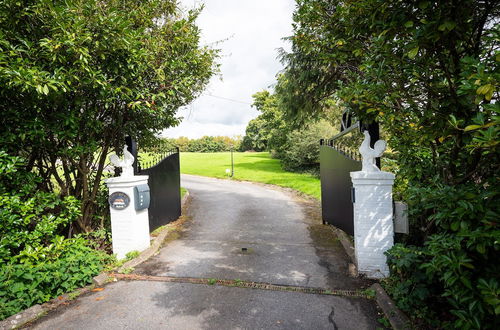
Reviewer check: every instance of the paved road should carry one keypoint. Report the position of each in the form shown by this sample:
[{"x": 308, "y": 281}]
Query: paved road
[{"x": 283, "y": 246}]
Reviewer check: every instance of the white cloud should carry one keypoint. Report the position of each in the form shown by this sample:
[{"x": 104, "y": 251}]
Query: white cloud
[{"x": 253, "y": 31}]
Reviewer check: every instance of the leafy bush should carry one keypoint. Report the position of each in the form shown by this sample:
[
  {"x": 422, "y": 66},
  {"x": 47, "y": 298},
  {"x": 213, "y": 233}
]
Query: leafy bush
[
  {"x": 206, "y": 144},
  {"x": 37, "y": 263},
  {"x": 29, "y": 218},
  {"x": 39, "y": 274},
  {"x": 301, "y": 150},
  {"x": 456, "y": 265},
  {"x": 212, "y": 144},
  {"x": 409, "y": 285}
]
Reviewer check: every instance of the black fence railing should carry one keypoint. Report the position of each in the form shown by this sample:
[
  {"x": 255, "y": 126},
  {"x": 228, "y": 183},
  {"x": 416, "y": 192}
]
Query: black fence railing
[
  {"x": 154, "y": 159},
  {"x": 342, "y": 149}
]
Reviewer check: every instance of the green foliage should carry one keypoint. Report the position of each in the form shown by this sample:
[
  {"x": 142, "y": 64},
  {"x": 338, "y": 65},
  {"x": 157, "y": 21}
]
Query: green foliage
[
  {"x": 39, "y": 275},
  {"x": 255, "y": 138},
  {"x": 203, "y": 144},
  {"x": 429, "y": 73},
  {"x": 37, "y": 263},
  {"x": 455, "y": 267},
  {"x": 77, "y": 76},
  {"x": 29, "y": 219},
  {"x": 211, "y": 144},
  {"x": 296, "y": 146},
  {"x": 100, "y": 239},
  {"x": 451, "y": 270},
  {"x": 409, "y": 285},
  {"x": 268, "y": 130},
  {"x": 301, "y": 149},
  {"x": 132, "y": 255}
]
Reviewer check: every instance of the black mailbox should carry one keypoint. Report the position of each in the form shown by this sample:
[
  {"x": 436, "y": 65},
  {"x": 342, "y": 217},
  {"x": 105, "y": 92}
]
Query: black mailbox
[{"x": 142, "y": 197}]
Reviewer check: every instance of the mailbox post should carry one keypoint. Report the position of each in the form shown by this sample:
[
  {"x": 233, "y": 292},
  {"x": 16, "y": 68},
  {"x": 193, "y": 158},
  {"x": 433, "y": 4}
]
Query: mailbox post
[{"x": 129, "y": 201}]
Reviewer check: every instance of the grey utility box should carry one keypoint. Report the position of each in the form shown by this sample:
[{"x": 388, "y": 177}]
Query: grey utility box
[
  {"x": 401, "y": 218},
  {"x": 142, "y": 197}
]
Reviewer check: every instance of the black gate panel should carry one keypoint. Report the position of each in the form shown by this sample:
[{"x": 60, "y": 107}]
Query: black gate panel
[
  {"x": 336, "y": 186},
  {"x": 164, "y": 184}
]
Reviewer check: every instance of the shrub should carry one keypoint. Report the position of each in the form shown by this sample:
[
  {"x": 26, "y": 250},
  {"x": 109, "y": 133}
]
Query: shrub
[
  {"x": 301, "y": 150},
  {"x": 455, "y": 269},
  {"x": 37, "y": 263},
  {"x": 39, "y": 274},
  {"x": 29, "y": 218}
]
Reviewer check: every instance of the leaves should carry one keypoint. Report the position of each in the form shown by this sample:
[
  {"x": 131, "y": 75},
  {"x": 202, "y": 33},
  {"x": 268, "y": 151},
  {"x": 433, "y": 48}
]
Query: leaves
[
  {"x": 447, "y": 26},
  {"x": 429, "y": 73},
  {"x": 69, "y": 71},
  {"x": 22, "y": 285},
  {"x": 413, "y": 52}
]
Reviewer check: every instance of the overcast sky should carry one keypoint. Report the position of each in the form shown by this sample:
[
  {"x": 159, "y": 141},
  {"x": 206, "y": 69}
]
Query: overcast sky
[{"x": 251, "y": 32}]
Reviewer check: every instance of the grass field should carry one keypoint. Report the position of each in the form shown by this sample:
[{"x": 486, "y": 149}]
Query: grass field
[{"x": 249, "y": 166}]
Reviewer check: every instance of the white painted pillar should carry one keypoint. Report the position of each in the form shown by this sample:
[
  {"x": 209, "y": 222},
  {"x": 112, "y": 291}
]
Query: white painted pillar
[
  {"x": 373, "y": 226},
  {"x": 129, "y": 227}
]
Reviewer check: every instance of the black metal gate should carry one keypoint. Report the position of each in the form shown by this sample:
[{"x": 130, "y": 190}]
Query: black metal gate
[
  {"x": 338, "y": 157},
  {"x": 164, "y": 184},
  {"x": 336, "y": 185}
]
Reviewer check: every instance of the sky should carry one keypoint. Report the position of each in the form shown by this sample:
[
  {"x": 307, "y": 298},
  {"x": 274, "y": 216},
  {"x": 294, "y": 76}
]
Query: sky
[{"x": 249, "y": 33}]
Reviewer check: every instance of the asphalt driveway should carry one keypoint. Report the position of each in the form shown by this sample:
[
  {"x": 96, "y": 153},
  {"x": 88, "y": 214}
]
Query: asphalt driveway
[{"x": 236, "y": 231}]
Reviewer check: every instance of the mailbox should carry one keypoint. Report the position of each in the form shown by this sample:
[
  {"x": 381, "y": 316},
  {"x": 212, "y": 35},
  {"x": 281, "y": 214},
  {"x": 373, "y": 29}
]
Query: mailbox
[
  {"x": 401, "y": 218},
  {"x": 142, "y": 197}
]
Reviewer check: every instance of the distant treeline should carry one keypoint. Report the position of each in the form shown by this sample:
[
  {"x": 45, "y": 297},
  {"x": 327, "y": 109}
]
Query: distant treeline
[{"x": 203, "y": 144}]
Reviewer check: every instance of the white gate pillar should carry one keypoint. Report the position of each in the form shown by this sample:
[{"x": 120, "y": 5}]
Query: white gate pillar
[
  {"x": 128, "y": 201},
  {"x": 373, "y": 213}
]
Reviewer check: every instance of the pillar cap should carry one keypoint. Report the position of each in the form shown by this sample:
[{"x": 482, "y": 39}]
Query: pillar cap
[
  {"x": 123, "y": 181},
  {"x": 379, "y": 175}
]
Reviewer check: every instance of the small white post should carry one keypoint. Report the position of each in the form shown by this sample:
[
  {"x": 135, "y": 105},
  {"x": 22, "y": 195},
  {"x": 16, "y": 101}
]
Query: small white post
[
  {"x": 129, "y": 226},
  {"x": 373, "y": 225}
]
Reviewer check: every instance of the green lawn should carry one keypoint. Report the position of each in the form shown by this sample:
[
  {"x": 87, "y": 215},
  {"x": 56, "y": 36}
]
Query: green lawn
[{"x": 249, "y": 166}]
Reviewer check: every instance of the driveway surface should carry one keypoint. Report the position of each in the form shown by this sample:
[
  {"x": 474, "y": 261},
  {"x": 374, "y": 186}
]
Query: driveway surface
[{"x": 236, "y": 231}]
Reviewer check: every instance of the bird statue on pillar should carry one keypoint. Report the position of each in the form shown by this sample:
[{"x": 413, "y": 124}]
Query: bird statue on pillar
[
  {"x": 125, "y": 164},
  {"x": 369, "y": 154}
]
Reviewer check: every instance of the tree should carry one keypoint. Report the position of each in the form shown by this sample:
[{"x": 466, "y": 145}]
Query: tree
[
  {"x": 255, "y": 136},
  {"x": 428, "y": 72},
  {"x": 300, "y": 151},
  {"x": 77, "y": 76},
  {"x": 268, "y": 130}
]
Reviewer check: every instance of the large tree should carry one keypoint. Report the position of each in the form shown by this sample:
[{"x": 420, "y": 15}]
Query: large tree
[
  {"x": 429, "y": 72},
  {"x": 77, "y": 76}
]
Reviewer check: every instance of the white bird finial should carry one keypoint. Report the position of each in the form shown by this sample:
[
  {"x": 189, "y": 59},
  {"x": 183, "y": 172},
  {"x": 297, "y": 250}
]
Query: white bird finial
[
  {"x": 125, "y": 164},
  {"x": 369, "y": 154}
]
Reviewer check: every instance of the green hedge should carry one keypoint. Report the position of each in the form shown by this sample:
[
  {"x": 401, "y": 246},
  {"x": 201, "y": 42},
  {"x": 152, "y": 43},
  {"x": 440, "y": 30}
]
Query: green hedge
[
  {"x": 37, "y": 262},
  {"x": 38, "y": 275}
]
